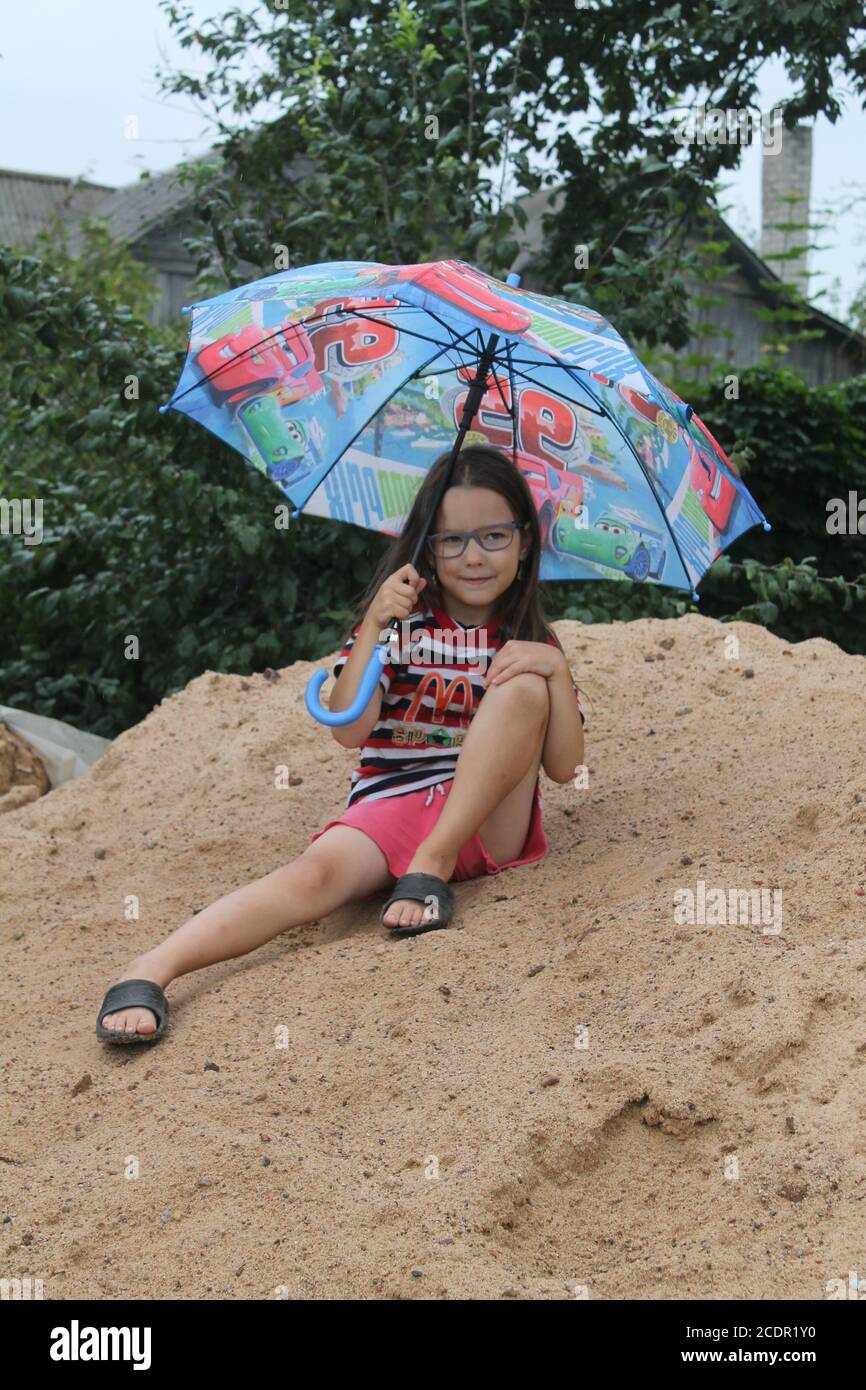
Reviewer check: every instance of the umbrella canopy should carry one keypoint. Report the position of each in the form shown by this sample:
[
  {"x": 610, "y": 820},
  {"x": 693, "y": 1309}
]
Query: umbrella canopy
[{"x": 344, "y": 381}]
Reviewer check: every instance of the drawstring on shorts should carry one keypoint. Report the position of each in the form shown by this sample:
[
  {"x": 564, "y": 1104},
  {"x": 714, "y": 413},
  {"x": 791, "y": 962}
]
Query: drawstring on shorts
[{"x": 437, "y": 786}]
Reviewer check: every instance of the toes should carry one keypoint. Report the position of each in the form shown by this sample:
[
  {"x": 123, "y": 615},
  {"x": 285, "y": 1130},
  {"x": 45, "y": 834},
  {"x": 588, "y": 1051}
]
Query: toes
[
  {"x": 130, "y": 1021},
  {"x": 403, "y": 914}
]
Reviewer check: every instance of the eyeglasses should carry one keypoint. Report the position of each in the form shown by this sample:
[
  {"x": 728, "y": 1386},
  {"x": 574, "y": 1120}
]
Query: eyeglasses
[{"x": 449, "y": 545}]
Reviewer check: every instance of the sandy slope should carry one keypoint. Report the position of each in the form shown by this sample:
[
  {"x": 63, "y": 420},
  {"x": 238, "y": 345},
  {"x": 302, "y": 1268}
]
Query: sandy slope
[{"x": 305, "y": 1167}]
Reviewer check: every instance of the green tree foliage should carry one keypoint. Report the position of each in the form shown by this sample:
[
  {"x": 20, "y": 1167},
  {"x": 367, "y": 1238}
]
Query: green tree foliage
[
  {"x": 151, "y": 530},
  {"x": 422, "y": 121}
]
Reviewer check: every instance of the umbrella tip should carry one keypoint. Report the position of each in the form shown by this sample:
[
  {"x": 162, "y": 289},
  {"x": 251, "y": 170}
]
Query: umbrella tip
[
  {"x": 513, "y": 279},
  {"x": 186, "y": 308},
  {"x": 164, "y": 408},
  {"x": 696, "y": 598},
  {"x": 766, "y": 525}
]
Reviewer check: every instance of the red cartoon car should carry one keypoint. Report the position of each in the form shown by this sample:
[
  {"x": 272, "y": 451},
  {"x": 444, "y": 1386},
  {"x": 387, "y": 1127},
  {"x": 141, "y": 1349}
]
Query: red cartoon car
[
  {"x": 468, "y": 289},
  {"x": 555, "y": 491},
  {"x": 715, "y": 491},
  {"x": 650, "y": 411},
  {"x": 257, "y": 359}
]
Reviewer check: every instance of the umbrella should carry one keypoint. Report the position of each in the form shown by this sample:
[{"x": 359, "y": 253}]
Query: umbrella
[{"x": 343, "y": 381}]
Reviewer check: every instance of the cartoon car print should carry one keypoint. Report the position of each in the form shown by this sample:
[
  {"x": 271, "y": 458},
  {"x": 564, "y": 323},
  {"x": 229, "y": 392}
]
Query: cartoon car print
[
  {"x": 241, "y": 364},
  {"x": 466, "y": 288},
  {"x": 715, "y": 492},
  {"x": 714, "y": 443},
  {"x": 650, "y": 411},
  {"x": 280, "y": 443},
  {"x": 556, "y": 494},
  {"x": 638, "y": 552},
  {"x": 697, "y": 423}
]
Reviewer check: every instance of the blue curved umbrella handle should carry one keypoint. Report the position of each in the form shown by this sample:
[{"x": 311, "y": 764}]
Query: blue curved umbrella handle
[{"x": 369, "y": 681}]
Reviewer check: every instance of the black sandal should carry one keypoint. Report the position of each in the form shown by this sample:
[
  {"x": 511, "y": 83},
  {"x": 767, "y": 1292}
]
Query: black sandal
[
  {"x": 420, "y": 888},
  {"x": 127, "y": 995}
]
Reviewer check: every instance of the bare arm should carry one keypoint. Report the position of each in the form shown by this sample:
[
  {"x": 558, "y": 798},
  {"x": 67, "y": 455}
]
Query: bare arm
[
  {"x": 345, "y": 689},
  {"x": 396, "y": 598},
  {"x": 563, "y": 743}
]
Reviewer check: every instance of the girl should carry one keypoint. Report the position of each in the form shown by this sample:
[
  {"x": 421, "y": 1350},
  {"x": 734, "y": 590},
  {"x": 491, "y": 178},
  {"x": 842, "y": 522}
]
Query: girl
[{"x": 447, "y": 786}]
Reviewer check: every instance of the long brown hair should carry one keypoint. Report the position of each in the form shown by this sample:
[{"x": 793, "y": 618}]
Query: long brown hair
[{"x": 477, "y": 465}]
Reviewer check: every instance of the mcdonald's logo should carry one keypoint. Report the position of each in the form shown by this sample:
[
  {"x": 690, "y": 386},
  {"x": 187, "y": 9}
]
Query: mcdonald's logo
[{"x": 441, "y": 697}]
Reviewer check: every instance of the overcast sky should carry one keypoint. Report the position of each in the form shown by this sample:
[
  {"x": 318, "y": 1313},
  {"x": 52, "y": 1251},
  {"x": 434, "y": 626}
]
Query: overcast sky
[{"x": 73, "y": 72}]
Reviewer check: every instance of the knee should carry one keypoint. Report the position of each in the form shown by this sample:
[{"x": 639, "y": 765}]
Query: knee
[
  {"x": 311, "y": 872},
  {"x": 530, "y": 691}
]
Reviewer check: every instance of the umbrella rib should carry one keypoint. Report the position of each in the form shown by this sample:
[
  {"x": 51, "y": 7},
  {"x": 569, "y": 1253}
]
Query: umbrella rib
[
  {"x": 413, "y": 333},
  {"x": 513, "y": 411},
  {"x": 415, "y": 371},
  {"x": 286, "y": 328},
  {"x": 509, "y": 409},
  {"x": 595, "y": 409}
]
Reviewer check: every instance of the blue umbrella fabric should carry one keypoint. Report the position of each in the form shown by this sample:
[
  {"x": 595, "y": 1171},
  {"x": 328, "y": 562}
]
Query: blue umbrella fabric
[{"x": 344, "y": 381}]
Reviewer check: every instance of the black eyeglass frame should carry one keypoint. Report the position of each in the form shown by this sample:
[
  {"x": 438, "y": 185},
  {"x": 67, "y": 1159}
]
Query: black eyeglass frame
[{"x": 469, "y": 535}]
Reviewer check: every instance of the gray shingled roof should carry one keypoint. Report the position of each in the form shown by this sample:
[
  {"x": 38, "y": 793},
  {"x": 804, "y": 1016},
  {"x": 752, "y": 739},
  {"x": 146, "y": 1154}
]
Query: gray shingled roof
[
  {"x": 133, "y": 210},
  {"x": 29, "y": 202}
]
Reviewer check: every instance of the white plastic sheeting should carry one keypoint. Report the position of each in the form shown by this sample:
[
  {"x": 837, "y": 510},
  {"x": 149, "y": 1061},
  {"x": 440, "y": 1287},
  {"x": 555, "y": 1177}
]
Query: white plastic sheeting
[{"x": 65, "y": 751}]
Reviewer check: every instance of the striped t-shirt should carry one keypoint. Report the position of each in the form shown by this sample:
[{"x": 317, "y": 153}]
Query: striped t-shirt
[{"x": 429, "y": 699}]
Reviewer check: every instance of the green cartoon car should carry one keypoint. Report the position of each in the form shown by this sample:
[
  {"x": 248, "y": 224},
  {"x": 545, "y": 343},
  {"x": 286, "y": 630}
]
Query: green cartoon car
[
  {"x": 282, "y": 446},
  {"x": 613, "y": 542}
]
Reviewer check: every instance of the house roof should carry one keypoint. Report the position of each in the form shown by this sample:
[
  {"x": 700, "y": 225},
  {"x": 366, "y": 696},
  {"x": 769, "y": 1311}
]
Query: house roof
[
  {"x": 757, "y": 271},
  {"x": 29, "y": 202},
  {"x": 766, "y": 283},
  {"x": 134, "y": 209}
]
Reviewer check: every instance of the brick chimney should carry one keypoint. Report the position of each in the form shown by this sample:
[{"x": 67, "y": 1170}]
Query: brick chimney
[{"x": 786, "y": 178}]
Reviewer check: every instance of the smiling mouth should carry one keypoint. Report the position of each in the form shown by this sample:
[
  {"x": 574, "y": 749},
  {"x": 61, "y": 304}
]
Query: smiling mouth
[{"x": 477, "y": 579}]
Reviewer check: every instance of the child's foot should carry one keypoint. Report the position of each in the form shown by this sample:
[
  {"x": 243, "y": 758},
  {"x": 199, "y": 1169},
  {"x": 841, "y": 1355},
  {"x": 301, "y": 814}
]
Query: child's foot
[
  {"x": 408, "y": 912},
  {"x": 139, "y": 1019}
]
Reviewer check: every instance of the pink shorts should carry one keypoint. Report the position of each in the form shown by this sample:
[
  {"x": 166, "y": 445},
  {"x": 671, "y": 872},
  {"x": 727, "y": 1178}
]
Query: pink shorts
[{"x": 398, "y": 824}]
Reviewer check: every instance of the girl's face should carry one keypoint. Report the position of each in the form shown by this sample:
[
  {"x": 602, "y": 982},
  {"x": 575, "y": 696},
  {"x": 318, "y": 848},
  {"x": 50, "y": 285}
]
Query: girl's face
[{"x": 474, "y": 581}]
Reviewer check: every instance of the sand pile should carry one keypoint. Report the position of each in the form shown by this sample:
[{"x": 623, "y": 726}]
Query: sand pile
[{"x": 574, "y": 1086}]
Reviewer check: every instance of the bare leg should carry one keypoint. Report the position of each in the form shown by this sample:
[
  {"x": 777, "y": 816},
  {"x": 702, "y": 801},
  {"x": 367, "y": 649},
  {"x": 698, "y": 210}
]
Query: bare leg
[
  {"x": 484, "y": 795},
  {"x": 341, "y": 865}
]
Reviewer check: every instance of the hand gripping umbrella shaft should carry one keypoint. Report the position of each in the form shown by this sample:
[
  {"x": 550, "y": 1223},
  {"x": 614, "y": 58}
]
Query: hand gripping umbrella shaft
[{"x": 381, "y": 652}]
